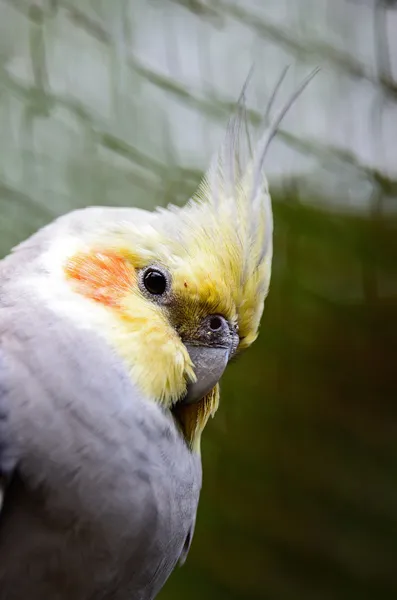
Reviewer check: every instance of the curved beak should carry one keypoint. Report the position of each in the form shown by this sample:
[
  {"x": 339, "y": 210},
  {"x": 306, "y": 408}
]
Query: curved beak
[{"x": 209, "y": 365}]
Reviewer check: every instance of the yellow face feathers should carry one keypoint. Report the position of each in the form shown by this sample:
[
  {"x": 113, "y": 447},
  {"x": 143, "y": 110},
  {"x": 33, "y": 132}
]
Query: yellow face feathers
[
  {"x": 142, "y": 335},
  {"x": 153, "y": 351}
]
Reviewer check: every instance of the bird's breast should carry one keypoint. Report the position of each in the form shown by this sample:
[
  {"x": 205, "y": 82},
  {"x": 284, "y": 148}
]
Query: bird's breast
[{"x": 106, "y": 490}]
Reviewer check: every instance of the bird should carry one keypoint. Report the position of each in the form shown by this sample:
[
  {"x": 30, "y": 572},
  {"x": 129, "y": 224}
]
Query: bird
[{"x": 116, "y": 325}]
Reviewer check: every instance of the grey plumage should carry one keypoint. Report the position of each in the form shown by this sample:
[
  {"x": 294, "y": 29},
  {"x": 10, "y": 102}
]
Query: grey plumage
[{"x": 105, "y": 491}]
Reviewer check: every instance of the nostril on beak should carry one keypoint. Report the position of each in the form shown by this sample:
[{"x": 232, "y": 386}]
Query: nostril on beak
[{"x": 215, "y": 323}]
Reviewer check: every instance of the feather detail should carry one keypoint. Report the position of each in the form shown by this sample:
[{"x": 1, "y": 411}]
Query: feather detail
[{"x": 232, "y": 209}]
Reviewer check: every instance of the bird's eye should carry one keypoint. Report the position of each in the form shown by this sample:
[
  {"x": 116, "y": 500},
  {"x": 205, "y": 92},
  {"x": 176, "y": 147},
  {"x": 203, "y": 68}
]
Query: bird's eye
[{"x": 155, "y": 282}]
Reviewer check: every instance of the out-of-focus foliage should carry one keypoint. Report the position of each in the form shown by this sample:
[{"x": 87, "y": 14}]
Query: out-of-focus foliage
[{"x": 123, "y": 103}]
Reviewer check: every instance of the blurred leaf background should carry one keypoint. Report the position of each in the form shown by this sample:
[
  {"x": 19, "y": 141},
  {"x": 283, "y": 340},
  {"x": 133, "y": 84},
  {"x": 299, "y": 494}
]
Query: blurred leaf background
[{"x": 124, "y": 103}]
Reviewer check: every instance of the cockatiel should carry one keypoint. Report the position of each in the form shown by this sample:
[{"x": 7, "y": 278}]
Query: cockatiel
[{"x": 115, "y": 328}]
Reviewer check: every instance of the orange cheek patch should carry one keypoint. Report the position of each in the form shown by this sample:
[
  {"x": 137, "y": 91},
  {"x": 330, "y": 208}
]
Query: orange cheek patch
[{"x": 103, "y": 276}]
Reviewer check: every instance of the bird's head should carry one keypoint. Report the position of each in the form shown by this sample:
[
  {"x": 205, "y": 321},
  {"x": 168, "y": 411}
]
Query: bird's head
[{"x": 179, "y": 291}]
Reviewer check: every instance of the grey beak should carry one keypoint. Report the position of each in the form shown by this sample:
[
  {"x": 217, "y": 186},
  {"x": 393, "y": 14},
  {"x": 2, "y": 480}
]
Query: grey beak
[{"x": 209, "y": 363}]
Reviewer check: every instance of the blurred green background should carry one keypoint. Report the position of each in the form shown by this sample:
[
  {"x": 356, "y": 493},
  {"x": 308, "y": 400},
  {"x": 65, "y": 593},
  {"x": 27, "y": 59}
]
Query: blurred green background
[{"x": 124, "y": 103}]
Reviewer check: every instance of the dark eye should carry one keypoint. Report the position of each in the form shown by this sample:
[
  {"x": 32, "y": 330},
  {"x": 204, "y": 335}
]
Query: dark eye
[
  {"x": 155, "y": 282},
  {"x": 215, "y": 323}
]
